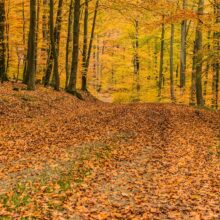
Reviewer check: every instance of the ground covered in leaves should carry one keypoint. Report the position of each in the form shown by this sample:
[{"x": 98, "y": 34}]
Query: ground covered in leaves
[{"x": 61, "y": 158}]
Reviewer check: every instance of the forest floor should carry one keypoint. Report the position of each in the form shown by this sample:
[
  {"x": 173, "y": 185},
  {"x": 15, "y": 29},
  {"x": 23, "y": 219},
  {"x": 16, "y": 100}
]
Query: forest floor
[{"x": 61, "y": 158}]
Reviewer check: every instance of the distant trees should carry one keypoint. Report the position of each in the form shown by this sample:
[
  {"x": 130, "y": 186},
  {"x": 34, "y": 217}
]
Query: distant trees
[{"x": 170, "y": 49}]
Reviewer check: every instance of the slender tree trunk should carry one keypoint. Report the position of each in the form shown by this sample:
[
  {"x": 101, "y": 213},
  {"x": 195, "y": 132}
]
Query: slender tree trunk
[
  {"x": 216, "y": 65},
  {"x": 53, "y": 48},
  {"x": 90, "y": 45},
  {"x": 32, "y": 47},
  {"x": 192, "y": 100},
  {"x": 45, "y": 34},
  {"x": 171, "y": 64},
  {"x": 3, "y": 74},
  {"x": 7, "y": 29},
  {"x": 198, "y": 55},
  {"x": 75, "y": 53},
  {"x": 85, "y": 46},
  {"x": 57, "y": 30},
  {"x": 161, "y": 59},
  {"x": 136, "y": 56},
  {"x": 207, "y": 68},
  {"x": 24, "y": 42},
  {"x": 70, "y": 27},
  {"x": 183, "y": 50},
  {"x": 37, "y": 33}
]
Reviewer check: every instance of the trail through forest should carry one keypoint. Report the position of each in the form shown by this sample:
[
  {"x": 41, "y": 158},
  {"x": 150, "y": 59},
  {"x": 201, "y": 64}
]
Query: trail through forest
[{"x": 93, "y": 160}]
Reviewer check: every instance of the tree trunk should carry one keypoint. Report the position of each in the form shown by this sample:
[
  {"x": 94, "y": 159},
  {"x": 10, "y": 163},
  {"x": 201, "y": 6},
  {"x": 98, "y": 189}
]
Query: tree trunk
[
  {"x": 216, "y": 65},
  {"x": 171, "y": 64},
  {"x": 54, "y": 49},
  {"x": 85, "y": 46},
  {"x": 183, "y": 50},
  {"x": 90, "y": 44},
  {"x": 32, "y": 47},
  {"x": 192, "y": 100},
  {"x": 75, "y": 53},
  {"x": 198, "y": 55},
  {"x": 57, "y": 30},
  {"x": 3, "y": 74},
  {"x": 7, "y": 29},
  {"x": 207, "y": 68},
  {"x": 161, "y": 59},
  {"x": 70, "y": 26},
  {"x": 37, "y": 33},
  {"x": 136, "y": 56},
  {"x": 24, "y": 42}
]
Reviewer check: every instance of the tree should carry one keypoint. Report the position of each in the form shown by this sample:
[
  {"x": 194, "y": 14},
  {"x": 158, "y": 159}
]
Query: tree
[
  {"x": 70, "y": 26},
  {"x": 87, "y": 55},
  {"x": 199, "y": 55},
  {"x": 3, "y": 73},
  {"x": 85, "y": 46},
  {"x": 171, "y": 63},
  {"x": 183, "y": 49},
  {"x": 51, "y": 58},
  {"x": 161, "y": 58},
  {"x": 32, "y": 47},
  {"x": 216, "y": 64},
  {"x": 54, "y": 49},
  {"x": 75, "y": 53}
]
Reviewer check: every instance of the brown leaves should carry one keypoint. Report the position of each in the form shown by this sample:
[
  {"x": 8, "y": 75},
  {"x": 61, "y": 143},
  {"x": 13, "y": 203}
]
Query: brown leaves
[{"x": 90, "y": 160}]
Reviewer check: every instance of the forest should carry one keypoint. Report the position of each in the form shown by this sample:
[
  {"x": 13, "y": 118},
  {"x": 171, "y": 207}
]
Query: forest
[
  {"x": 109, "y": 109},
  {"x": 163, "y": 51}
]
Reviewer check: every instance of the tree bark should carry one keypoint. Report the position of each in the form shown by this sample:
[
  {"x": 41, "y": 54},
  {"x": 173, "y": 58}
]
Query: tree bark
[
  {"x": 70, "y": 26},
  {"x": 161, "y": 59},
  {"x": 90, "y": 45},
  {"x": 3, "y": 73},
  {"x": 198, "y": 55},
  {"x": 57, "y": 30},
  {"x": 54, "y": 49},
  {"x": 183, "y": 50},
  {"x": 207, "y": 68},
  {"x": 216, "y": 65},
  {"x": 32, "y": 47},
  {"x": 85, "y": 46},
  {"x": 171, "y": 64},
  {"x": 75, "y": 53}
]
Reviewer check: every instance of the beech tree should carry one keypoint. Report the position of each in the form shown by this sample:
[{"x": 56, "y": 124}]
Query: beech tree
[
  {"x": 51, "y": 58},
  {"x": 54, "y": 49},
  {"x": 87, "y": 54},
  {"x": 31, "y": 47},
  {"x": 75, "y": 53},
  {"x": 198, "y": 54},
  {"x": 216, "y": 60},
  {"x": 3, "y": 73},
  {"x": 183, "y": 49}
]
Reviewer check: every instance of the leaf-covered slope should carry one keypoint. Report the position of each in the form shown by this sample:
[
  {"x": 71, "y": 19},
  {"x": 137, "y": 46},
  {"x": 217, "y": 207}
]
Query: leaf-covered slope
[{"x": 143, "y": 161}]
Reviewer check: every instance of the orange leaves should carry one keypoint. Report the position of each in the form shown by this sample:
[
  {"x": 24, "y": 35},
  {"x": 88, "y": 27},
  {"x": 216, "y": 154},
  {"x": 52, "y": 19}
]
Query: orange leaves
[{"x": 91, "y": 160}]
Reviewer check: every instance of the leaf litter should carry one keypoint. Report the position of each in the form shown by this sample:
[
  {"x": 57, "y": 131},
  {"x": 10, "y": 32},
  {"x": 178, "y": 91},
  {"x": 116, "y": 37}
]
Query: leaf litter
[{"x": 61, "y": 158}]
